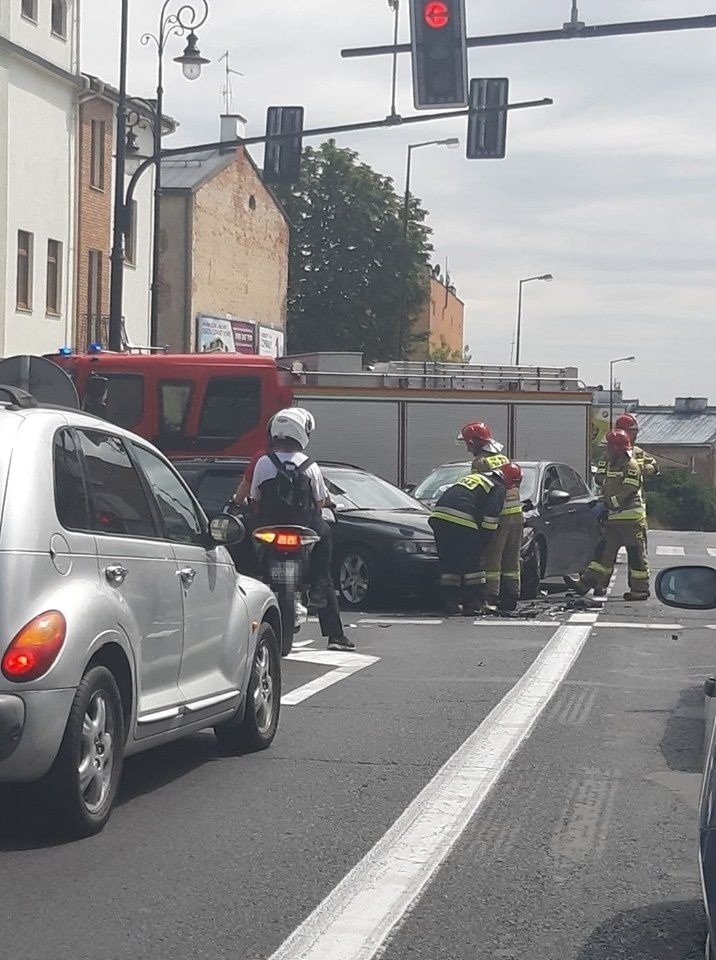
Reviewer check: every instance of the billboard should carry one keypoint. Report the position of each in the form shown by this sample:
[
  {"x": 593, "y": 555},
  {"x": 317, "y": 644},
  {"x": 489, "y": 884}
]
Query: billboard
[
  {"x": 272, "y": 343},
  {"x": 225, "y": 335}
]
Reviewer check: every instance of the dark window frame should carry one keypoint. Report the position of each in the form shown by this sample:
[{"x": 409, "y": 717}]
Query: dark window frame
[
  {"x": 174, "y": 382},
  {"x": 238, "y": 433},
  {"x": 85, "y": 493},
  {"x": 25, "y": 269},
  {"x": 27, "y": 14},
  {"x": 157, "y": 519},
  {"x": 53, "y": 297},
  {"x": 114, "y": 376},
  {"x": 58, "y": 6}
]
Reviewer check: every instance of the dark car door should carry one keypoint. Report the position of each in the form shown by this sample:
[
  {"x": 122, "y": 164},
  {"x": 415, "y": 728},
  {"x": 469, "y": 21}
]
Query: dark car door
[
  {"x": 583, "y": 528},
  {"x": 558, "y": 520}
]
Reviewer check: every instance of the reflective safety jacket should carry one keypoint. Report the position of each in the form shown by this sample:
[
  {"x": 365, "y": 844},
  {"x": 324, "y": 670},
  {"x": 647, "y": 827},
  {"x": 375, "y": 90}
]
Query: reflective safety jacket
[
  {"x": 486, "y": 463},
  {"x": 621, "y": 491},
  {"x": 475, "y": 502},
  {"x": 647, "y": 464}
]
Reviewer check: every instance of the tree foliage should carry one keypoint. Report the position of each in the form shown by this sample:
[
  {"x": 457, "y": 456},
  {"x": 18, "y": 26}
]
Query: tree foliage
[
  {"x": 678, "y": 500},
  {"x": 346, "y": 257},
  {"x": 442, "y": 352}
]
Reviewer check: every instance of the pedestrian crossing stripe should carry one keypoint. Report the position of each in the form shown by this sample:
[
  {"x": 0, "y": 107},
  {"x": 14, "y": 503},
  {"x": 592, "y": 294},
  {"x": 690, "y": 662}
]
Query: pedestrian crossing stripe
[{"x": 663, "y": 551}]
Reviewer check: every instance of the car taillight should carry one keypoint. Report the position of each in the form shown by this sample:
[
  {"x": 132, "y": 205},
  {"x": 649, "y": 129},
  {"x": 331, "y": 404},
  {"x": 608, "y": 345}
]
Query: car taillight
[{"x": 35, "y": 648}]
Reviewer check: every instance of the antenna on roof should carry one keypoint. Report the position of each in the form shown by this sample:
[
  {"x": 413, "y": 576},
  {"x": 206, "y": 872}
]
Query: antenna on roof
[{"x": 227, "y": 91}]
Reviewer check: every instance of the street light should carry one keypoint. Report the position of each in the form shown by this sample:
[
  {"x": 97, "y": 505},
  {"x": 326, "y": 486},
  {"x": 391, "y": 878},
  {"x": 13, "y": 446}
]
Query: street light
[
  {"x": 547, "y": 277},
  {"x": 451, "y": 143},
  {"x": 189, "y": 17},
  {"x": 611, "y": 385}
]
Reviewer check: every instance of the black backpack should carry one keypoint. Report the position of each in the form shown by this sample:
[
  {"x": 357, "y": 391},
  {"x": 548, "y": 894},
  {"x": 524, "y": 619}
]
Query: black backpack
[{"x": 288, "y": 497}]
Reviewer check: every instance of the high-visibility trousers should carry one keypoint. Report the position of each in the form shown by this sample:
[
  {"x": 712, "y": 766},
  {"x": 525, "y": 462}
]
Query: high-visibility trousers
[
  {"x": 620, "y": 533},
  {"x": 459, "y": 550},
  {"x": 502, "y": 562}
]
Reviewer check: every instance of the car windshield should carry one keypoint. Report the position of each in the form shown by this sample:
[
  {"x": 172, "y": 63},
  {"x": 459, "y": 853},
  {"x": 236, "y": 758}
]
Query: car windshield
[
  {"x": 364, "y": 491},
  {"x": 443, "y": 477}
]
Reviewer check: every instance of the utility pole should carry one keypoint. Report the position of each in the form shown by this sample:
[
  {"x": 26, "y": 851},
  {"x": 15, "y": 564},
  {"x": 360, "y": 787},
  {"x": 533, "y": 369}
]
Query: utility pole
[{"x": 117, "y": 270}]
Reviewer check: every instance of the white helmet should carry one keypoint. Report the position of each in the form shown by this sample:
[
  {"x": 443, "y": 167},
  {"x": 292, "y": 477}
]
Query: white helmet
[{"x": 293, "y": 424}]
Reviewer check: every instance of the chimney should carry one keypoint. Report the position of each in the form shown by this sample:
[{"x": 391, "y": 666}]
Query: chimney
[
  {"x": 233, "y": 127},
  {"x": 690, "y": 404}
]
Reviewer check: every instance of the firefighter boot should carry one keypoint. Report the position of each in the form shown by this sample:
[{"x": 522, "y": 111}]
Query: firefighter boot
[
  {"x": 632, "y": 596},
  {"x": 576, "y": 584},
  {"x": 450, "y": 592}
]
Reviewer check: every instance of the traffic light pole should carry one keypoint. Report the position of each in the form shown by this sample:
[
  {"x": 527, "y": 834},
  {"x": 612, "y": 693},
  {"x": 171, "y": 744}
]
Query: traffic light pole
[
  {"x": 391, "y": 122},
  {"x": 565, "y": 33}
]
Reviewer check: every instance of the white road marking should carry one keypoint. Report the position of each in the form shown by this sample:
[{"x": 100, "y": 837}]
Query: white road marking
[
  {"x": 359, "y": 914},
  {"x": 582, "y": 618},
  {"x": 670, "y": 552},
  {"x": 515, "y": 623},
  {"x": 640, "y": 626},
  {"x": 299, "y": 644},
  {"x": 400, "y": 622},
  {"x": 346, "y": 663},
  {"x": 711, "y": 551}
]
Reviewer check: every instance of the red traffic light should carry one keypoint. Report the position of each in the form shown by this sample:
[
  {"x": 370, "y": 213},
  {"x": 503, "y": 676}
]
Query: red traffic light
[{"x": 437, "y": 14}]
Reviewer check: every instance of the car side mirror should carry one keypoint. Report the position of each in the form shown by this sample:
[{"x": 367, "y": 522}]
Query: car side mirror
[
  {"x": 690, "y": 588},
  {"x": 555, "y": 498},
  {"x": 328, "y": 515},
  {"x": 226, "y": 530},
  {"x": 409, "y": 487}
]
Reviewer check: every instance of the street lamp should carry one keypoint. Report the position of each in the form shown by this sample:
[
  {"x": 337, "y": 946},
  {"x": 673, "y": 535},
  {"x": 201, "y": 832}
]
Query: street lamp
[
  {"x": 611, "y": 385},
  {"x": 451, "y": 143},
  {"x": 189, "y": 17},
  {"x": 547, "y": 277}
]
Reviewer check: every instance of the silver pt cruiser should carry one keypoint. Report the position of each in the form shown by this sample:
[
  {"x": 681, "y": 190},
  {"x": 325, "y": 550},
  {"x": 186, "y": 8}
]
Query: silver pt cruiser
[{"x": 125, "y": 623}]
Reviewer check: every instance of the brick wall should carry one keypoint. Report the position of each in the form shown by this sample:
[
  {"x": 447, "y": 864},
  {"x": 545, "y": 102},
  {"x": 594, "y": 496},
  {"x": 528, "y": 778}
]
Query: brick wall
[
  {"x": 240, "y": 248},
  {"x": 441, "y": 317},
  {"x": 94, "y": 226}
]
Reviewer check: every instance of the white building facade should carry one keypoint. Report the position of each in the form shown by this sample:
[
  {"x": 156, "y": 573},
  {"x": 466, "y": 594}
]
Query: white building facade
[{"x": 39, "y": 87}]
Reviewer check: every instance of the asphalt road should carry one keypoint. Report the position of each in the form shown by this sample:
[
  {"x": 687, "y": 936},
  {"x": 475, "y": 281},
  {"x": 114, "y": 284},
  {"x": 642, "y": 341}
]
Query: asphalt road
[{"x": 501, "y": 790}]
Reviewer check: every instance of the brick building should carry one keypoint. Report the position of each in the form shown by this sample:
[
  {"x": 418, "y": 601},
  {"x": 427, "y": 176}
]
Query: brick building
[
  {"x": 224, "y": 243},
  {"x": 682, "y": 435},
  {"x": 95, "y": 208},
  {"x": 441, "y": 321}
]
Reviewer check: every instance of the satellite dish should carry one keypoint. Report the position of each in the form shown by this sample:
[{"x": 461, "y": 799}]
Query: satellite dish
[{"x": 43, "y": 379}]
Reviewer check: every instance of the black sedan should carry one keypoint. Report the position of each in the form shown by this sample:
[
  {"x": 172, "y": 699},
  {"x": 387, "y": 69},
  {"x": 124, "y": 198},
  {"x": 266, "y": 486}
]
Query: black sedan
[
  {"x": 382, "y": 541},
  {"x": 560, "y": 530}
]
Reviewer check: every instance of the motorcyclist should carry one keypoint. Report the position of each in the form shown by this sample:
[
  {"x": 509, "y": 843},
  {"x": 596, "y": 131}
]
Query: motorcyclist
[{"x": 290, "y": 431}]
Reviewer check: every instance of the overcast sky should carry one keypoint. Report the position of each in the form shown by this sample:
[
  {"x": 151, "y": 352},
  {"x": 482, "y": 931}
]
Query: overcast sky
[{"x": 612, "y": 189}]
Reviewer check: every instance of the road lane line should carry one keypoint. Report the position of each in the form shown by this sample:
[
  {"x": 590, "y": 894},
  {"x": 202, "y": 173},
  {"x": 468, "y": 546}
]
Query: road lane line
[
  {"x": 515, "y": 623},
  {"x": 346, "y": 663},
  {"x": 639, "y": 626},
  {"x": 711, "y": 551},
  {"x": 400, "y": 622},
  {"x": 670, "y": 552},
  {"x": 359, "y": 914}
]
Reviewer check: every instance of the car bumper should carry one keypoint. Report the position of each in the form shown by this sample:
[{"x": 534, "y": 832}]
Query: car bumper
[
  {"x": 413, "y": 571},
  {"x": 32, "y": 725}
]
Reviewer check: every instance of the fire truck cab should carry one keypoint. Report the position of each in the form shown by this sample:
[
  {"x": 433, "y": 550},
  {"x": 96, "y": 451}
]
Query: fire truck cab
[{"x": 186, "y": 404}]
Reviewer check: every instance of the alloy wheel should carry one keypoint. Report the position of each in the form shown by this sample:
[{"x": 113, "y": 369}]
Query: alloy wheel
[
  {"x": 354, "y": 579},
  {"x": 96, "y": 753},
  {"x": 263, "y": 694}
]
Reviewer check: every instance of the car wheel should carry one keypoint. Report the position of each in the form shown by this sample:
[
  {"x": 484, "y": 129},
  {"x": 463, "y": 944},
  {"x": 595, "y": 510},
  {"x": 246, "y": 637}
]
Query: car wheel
[
  {"x": 86, "y": 773},
  {"x": 257, "y": 729},
  {"x": 532, "y": 572},
  {"x": 356, "y": 577}
]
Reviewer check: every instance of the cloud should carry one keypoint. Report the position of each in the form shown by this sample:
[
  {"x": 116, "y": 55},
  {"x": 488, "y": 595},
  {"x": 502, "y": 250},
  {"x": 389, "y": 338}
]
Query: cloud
[{"x": 610, "y": 189}]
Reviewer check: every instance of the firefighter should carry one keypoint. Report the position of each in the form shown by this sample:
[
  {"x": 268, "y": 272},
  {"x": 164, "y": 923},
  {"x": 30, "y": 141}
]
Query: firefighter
[
  {"x": 625, "y": 515},
  {"x": 464, "y": 520},
  {"x": 502, "y": 556},
  {"x": 648, "y": 464}
]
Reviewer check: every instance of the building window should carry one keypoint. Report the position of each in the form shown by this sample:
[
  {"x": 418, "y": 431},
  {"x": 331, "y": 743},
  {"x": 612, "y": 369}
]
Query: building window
[
  {"x": 29, "y": 10},
  {"x": 54, "y": 276},
  {"x": 130, "y": 249},
  {"x": 59, "y": 18},
  {"x": 97, "y": 155},
  {"x": 25, "y": 242},
  {"x": 94, "y": 296}
]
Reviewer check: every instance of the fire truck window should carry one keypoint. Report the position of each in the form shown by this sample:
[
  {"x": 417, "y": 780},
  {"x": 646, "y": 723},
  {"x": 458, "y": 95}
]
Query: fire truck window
[
  {"x": 125, "y": 399},
  {"x": 174, "y": 397},
  {"x": 232, "y": 407}
]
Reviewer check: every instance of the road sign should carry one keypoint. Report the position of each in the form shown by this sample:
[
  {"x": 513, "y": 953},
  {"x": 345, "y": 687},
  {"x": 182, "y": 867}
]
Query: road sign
[
  {"x": 438, "y": 38},
  {"x": 282, "y": 158},
  {"x": 487, "y": 132}
]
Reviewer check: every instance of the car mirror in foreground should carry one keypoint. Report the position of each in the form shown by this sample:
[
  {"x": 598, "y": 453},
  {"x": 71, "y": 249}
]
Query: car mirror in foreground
[
  {"x": 555, "y": 498},
  {"x": 226, "y": 530},
  {"x": 690, "y": 588}
]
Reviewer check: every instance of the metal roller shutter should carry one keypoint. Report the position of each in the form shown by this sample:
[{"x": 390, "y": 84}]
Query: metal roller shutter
[{"x": 552, "y": 432}]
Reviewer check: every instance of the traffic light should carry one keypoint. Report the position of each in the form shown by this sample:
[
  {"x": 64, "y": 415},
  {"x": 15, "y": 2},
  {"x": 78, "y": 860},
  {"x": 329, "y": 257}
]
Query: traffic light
[
  {"x": 282, "y": 158},
  {"x": 439, "y": 47},
  {"x": 487, "y": 132}
]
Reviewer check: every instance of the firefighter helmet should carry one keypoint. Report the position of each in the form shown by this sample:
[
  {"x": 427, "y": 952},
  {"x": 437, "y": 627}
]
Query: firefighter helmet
[
  {"x": 627, "y": 422},
  {"x": 619, "y": 440},
  {"x": 511, "y": 474},
  {"x": 478, "y": 436}
]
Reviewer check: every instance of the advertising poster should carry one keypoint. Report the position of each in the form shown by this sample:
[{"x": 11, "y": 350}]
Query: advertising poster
[
  {"x": 272, "y": 343},
  {"x": 225, "y": 335},
  {"x": 600, "y": 426}
]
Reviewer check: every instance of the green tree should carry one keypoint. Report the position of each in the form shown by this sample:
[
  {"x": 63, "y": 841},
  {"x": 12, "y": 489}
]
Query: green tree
[
  {"x": 443, "y": 353},
  {"x": 680, "y": 501},
  {"x": 346, "y": 256}
]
